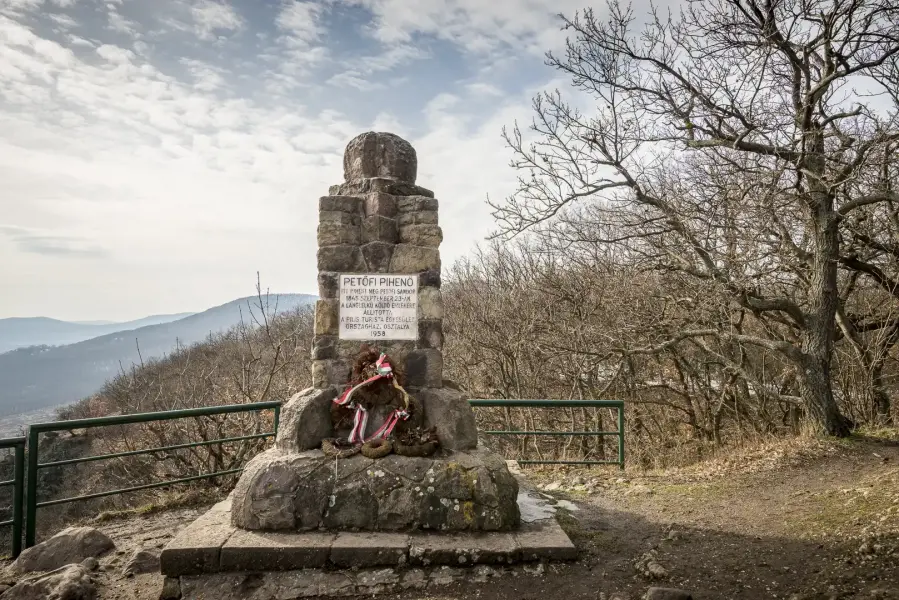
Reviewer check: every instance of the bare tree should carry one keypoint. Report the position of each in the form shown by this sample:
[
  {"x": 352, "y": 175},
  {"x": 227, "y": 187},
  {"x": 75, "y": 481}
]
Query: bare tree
[{"x": 728, "y": 146}]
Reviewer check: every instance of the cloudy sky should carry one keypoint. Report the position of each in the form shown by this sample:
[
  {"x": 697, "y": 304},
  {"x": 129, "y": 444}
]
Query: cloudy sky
[{"x": 156, "y": 154}]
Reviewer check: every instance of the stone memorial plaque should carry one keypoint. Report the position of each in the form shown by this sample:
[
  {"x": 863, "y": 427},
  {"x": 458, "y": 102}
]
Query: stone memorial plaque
[{"x": 378, "y": 306}]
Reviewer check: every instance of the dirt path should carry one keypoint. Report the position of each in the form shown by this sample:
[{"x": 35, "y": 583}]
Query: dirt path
[
  {"x": 785, "y": 522},
  {"x": 806, "y": 527}
]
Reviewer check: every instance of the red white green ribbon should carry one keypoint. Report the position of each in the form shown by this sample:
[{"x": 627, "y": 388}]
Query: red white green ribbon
[{"x": 360, "y": 419}]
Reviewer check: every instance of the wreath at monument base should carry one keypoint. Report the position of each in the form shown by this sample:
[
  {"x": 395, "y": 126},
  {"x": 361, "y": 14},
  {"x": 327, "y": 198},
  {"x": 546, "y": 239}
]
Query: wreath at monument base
[{"x": 375, "y": 383}]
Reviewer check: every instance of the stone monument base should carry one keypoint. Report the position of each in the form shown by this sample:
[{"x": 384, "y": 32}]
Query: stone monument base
[
  {"x": 211, "y": 558},
  {"x": 307, "y": 491}
]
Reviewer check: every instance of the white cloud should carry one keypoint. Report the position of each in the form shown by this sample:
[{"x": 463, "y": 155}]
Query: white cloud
[
  {"x": 211, "y": 17},
  {"x": 114, "y": 54},
  {"x": 475, "y": 26},
  {"x": 353, "y": 79},
  {"x": 75, "y": 40},
  {"x": 483, "y": 89},
  {"x": 300, "y": 21},
  {"x": 64, "y": 21},
  {"x": 18, "y": 7},
  {"x": 52, "y": 243},
  {"x": 207, "y": 77},
  {"x": 177, "y": 180},
  {"x": 118, "y": 23},
  {"x": 363, "y": 67}
]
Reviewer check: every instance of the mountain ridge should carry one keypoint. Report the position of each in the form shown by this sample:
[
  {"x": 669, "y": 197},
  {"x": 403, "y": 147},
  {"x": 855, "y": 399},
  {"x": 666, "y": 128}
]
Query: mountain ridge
[
  {"x": 39, "y": 376},
  {"x": 20, "y": 332}
]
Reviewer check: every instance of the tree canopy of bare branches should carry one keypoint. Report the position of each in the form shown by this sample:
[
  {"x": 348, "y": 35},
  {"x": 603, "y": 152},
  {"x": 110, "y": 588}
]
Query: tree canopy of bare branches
[{"x": 747, "y": 149}]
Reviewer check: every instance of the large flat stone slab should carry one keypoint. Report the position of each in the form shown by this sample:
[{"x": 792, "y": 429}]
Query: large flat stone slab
[
  {"x": 464, "y": 549},
  {"x": 319, "y": 583},
  {"x": 272, "y": 551},
  {"x": 366, "y": 549},
  {"x": 213, "y": 545},
  {"x": 198, "y": 547},
  {"x": 544, "y": 540}
]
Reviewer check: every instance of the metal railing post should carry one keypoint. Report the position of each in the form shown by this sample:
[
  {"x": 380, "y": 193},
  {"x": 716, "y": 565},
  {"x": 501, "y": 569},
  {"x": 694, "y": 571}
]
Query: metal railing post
[
  {"x": 277, "y": 418},
  {"x": 621, "y": 436},
  {"x": 31, "y": 489},
  {"x": 18, "y": 491},
  {"x": 31, "y": 504}
]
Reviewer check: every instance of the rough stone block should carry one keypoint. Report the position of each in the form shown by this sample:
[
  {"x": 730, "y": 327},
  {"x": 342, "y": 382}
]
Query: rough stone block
[
  {"x": 380, "y": 184},
  {"x": 422, "y": 217},
  {"x": 265, "y": 495},
  {"x": 378, "y": 255},
  {"x": 430, "y": 334},
  {"x": 424, "y": 368},
  {"x": 430, "y": 303},
  {"x": 448, "y": 410},
  {"x": 271, "y": 551},
  {"x": 72, "y": 581},
  {"x": 326, "y": 317},
  {"x": 660, "y": 593},
  {"x": 329, "y": 372},
  {"x": 324, "y": 347},
  {"x": 414, "y": 259},
  {"x": 330, "y": 233},
  {"x": 345, "y": 258},
  {"x": 421, "y": 235},
  {"x": 545, "y": 540},
  {"x": 356, "y": 550},
  {"x": 305, "y": 420},
  {"x": 339, "y": 218},
  {"x": 348, "y": 204},
  {"x": 218, "y": 586},
  {"x": 375, "y": 154},
  {"x": 328, "y": 285},
  {"x": 463, "y": 550},
  {"x": 461, "y": 491},
  {"x": 196, "y": 549},
  {"x": 405, "y": 204},
  {"x": 71, "y": 545},
  {"x": 430, "y": 278},
  {"x": 381, "y": 205},
  {"x": 379, "y": 229},
  {"x": 352, "y": 506}
]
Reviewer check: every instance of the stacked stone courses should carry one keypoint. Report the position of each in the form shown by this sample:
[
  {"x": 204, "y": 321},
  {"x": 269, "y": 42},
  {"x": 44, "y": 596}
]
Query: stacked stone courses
[{"x": 375, "y": 224}]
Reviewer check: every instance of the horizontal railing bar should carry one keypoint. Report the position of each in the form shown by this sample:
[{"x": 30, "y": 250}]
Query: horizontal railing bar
[
  {"x": 568, "y": 462},
  {"x": 5, "y": 523},
  {"x": 152, "y": 416},
  {"x": 73, "y": 461},
  {"x": 7, "y": 482},
  {"x": 136, "y": 488},
  {"x": 598, "y": 433},
  {"x": 12, "y": 442},
  {"x": 548, "y": 403}
]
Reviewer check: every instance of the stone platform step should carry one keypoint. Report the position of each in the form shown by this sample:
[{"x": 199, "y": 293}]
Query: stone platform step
[{"x": 212, "y": 545}]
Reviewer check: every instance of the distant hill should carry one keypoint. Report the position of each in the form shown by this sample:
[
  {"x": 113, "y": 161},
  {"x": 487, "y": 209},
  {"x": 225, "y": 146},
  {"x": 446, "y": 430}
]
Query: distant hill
[
  {"x": 43, "y": 331},
  {"x": 40, "y": 376}
]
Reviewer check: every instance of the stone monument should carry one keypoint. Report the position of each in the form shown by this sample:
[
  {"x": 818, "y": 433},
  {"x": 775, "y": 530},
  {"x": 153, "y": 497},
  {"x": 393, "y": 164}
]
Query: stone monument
[
  {"x": 379, "y": 285},
  {"x": 378, "y": 464}
]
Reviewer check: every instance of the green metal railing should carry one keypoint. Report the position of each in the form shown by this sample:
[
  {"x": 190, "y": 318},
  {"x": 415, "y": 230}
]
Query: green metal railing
[
  {"x": 31, "y": 500},
  {"x": 18, "y": 444},
  {"x": 25, "y": 486},
  {"x": 618, "y": 405}
]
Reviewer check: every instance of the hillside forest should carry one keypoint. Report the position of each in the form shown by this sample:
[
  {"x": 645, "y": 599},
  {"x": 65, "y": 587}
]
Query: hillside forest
[{"x": 706, "y": 226}]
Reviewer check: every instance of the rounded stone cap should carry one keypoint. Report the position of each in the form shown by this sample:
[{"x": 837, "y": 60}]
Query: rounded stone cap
[{"x": 374, "y": 154}]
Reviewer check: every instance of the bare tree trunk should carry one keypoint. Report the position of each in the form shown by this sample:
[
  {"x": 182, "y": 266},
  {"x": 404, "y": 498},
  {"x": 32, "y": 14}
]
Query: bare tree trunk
[{"x": 820, "y": 326}]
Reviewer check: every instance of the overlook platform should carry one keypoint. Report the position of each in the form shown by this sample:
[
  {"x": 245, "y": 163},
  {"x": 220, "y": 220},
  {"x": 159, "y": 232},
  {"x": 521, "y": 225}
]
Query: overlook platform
[{"x": 213, "y": 545}]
